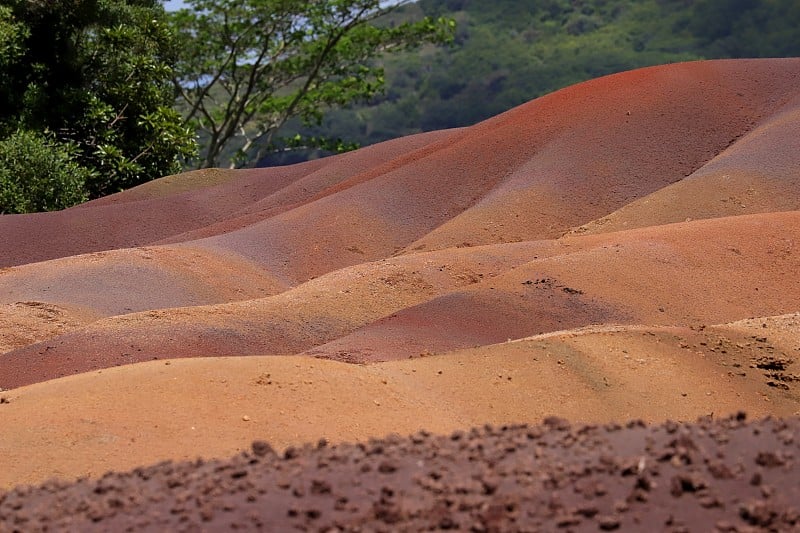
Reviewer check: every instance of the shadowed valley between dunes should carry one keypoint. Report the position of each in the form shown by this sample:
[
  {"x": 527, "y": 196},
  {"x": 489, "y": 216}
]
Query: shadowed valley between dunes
[{"x": 622, "y": 248}]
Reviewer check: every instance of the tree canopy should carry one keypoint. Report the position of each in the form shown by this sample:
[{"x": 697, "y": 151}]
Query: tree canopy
[
  {"x": 248, "y": 66},
  {"x": 118, "y": 91},
  {"x": 94, "y": 76}
]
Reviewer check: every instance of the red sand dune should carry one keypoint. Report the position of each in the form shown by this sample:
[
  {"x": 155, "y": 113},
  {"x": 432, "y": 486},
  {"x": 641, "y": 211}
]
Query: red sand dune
[{"x": 604, "y": 252}]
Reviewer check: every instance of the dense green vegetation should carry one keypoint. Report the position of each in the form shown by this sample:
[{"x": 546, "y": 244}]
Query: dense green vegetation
[
  {"x": 91, "y": 81},
  {"x": 38, "y": 173},
  {"x": 507, "y": 52}
]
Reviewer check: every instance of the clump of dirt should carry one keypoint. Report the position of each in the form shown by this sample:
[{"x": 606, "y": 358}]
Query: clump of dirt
[
  {"x": 352, "y": 356},
  {"x": 757, "y": 352},
  {"x": 776, "y": 371},
  {"x": 23, "y": 323},
  {"x": 724, "y": 475},
  {"x": 549, "y": 283},
  {"x": 775, "y": 364}
]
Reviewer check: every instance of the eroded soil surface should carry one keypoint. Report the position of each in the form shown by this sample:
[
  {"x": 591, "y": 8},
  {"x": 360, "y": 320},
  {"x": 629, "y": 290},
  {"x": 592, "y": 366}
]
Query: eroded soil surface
[{"x": 715, "y": 475}]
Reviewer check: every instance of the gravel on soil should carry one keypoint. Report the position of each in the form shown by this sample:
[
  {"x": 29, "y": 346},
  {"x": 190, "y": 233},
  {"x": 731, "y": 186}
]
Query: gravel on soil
[{"x": 713, "y": 475}]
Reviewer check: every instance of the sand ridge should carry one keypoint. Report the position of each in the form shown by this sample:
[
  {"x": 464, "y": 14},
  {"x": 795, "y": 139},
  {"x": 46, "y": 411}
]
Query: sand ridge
[{"x": 756, "y": 174}]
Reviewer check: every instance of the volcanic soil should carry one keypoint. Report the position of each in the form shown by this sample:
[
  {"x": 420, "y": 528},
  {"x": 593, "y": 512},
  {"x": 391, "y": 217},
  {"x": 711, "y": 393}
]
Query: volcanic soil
[{"x": 625, "y": 248}]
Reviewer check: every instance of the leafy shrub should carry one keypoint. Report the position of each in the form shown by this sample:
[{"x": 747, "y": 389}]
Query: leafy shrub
[
  {"x": 38, "y": 173},
  {"x": 97, "y": 75}
]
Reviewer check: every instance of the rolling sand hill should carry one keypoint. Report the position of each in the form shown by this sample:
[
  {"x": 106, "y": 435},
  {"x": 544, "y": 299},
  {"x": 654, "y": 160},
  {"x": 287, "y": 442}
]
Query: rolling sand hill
[{"x": 626, "y": 248}]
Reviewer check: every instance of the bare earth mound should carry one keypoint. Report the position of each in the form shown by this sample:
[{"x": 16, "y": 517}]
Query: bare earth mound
[{"x": 622, "y": 249}]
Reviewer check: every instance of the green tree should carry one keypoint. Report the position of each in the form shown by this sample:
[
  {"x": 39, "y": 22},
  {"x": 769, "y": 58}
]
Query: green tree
[
  {"x": 248, "y": 66},
  {"x": 39, "y": 174},
  {"x": 12, "y": 40},
  {"x": 95, "y": 75},
  {"x": 13, "y": 35},
  {"x": 747, "y": 28}
]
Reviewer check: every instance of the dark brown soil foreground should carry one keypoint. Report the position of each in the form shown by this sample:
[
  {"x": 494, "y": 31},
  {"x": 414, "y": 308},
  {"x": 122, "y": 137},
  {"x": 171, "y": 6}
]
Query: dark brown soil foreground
[{"x": 720, "y": 475}]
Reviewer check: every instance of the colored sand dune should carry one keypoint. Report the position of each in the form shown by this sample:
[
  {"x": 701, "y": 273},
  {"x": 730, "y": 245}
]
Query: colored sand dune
[{"x": 626, "y": 248}]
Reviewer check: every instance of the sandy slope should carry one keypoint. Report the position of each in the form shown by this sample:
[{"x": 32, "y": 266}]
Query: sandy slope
[
  {"x": 756, "y": 174},
  {"x": 570, "y": 257},
  {"x": 118, "y": 418}
]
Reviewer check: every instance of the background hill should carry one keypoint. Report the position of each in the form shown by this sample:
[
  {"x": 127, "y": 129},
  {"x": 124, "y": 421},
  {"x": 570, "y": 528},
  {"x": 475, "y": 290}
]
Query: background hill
[{"x": 507, "y": 52}]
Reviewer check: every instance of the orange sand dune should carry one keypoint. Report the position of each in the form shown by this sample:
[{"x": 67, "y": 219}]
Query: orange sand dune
[
  {"x": 175, "y": 205},
  {"x": 134, "y": 218},
  {"x": 117, "y": 282},
  {"x": 570, "y": 256},
  {"x": 534, "y": 172},
  {"x": 531, "y": 173},
  {"x": 116, "y": 419},
  {"x": 690, "y": 274}
]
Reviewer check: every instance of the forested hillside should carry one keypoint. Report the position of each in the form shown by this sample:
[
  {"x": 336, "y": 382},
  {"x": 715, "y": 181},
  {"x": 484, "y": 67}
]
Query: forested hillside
[{"x": 507, "y": 52}]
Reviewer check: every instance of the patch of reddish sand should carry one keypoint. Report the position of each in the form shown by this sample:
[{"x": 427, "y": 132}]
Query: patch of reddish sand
[
  {"x": 756, "y": 174},
  {"x": 117, "y": 282},
  {"x": 178, "y": 205},
  {"x": 570, "y": 257}
]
